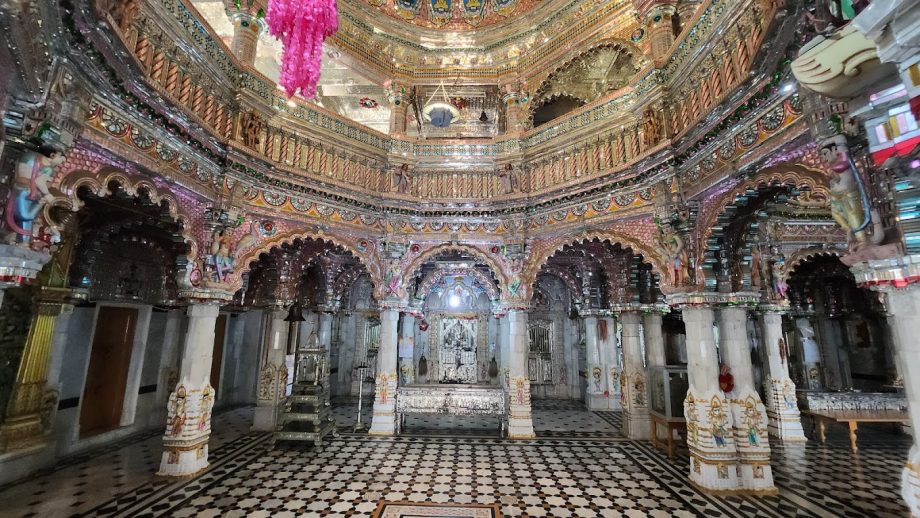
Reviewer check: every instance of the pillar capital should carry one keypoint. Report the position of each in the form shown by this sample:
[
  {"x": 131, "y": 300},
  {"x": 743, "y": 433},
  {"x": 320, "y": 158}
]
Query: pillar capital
[
  {"x": 885, "y": 274},
  {"x": 205, "y": 296}
]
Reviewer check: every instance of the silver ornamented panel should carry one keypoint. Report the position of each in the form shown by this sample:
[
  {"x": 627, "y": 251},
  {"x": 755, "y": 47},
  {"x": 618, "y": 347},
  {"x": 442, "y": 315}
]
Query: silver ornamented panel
[{"x": 450, "y": 400}]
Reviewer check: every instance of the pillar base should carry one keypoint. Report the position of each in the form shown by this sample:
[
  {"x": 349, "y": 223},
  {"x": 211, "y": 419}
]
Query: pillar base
[
  {"x": 520, "y": 422},
  {"x": 785, "y": 421},
  {"x": 713, "y": 457},
  {"x": 383, "y": 422},
  {"x": 184, "y": 459},
  {"x": 265, "y": 418},
  {"x": 22, "y": 432},
  {"x": 637, "y": 424},
  {"x": 751, "y": 441},
  {"x": 910, "y": 482},
  {"x": 596, "y": 401}
]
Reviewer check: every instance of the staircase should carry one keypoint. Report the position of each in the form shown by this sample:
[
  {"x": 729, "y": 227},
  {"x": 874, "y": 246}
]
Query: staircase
[{"x": 305, "y": 415}]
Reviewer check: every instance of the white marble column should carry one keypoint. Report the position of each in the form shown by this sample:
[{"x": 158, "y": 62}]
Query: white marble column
[
  {"x": 835, "y": 375},
  {"x": 782, "y": 407},
  {"x": 713, "y": 458},
  {"x": 613, "y": 368},
  {"x": 811, "y": 353},
  {"x": 596, "y": 373},
  {"x": 273, "y": 373},
  {"x": 324, "y": 330},
  {"x": 635, "y": 401},
  {"x": 748, "y": 413},
  {"x": 407, "y": 349},
  {"x": 384, "y": 420},
  {"x": 654, "y": 340},
  {"x": 520, "y": 422},
  {"x": 904, "y": 307},
  {"x": 504, "y": 345},
  {"x": 188, "y": 423}
]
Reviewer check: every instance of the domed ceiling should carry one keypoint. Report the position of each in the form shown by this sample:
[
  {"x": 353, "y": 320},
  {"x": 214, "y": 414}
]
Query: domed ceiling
[{"x": 456, "y": 15}]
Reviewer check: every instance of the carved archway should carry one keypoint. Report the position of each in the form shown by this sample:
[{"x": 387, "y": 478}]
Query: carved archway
[
  {"x": 249, "y": 256},
  {"x": 551, "y": 247},
  {"x": 437, "y": 276},
  {"x": 411, "y": 269},
  {"x": 764, "y": 187}
]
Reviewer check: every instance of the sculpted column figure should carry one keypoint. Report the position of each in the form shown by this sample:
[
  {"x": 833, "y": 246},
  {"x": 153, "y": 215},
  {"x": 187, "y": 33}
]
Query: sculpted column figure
[
  {"x": 748, "y": 412},
  {"x": 188, "y": 424},
  {"x": 635, "y": 401},
  {"x": 272, "y": 371},
  {"x": 520, "y": 422},
  {"x": 407, "y": 349},
  {"x": 384, "y": 420},
  {"x": 713, "y": 457},
  {"x": 782, "y": 408}
]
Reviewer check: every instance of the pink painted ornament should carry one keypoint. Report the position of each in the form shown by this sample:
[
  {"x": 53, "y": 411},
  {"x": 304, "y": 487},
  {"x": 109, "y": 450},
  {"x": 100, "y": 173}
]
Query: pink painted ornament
[{"x": 302, "y": 26}]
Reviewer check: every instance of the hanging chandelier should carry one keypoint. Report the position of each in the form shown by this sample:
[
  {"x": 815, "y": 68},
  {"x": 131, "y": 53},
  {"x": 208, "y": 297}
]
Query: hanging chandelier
[
  {"x": 440, "y": 112},
  {"x": 302, "y": 26}
]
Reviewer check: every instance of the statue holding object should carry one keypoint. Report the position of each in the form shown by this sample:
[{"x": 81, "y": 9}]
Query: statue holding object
[
  {"x": 30, "y": 193},
  {"x": 850, "y": 206},
  {"x": 510, "y": 179},
  {"x": 672, "y": 247}
]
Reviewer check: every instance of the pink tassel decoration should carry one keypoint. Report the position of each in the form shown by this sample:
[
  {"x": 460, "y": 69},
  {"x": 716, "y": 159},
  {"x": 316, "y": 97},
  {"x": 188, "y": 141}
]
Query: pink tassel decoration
[{"x": 302, "y": 26}]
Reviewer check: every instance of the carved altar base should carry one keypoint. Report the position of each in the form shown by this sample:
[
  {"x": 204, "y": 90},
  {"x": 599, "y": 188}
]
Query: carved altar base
[{"x": 459, "y": 400}]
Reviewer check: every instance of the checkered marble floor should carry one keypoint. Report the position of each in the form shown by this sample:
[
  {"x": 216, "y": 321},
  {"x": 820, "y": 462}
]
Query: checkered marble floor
[{"x": 554, "y": 475}]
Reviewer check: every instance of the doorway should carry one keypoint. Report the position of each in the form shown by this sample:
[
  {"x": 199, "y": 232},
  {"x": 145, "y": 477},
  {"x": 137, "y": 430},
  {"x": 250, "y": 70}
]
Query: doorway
[{"x": 107, "y": 375}]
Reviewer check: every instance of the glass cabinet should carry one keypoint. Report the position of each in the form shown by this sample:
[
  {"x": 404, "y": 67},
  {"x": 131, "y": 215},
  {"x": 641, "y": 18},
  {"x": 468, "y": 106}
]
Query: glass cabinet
[{"x": 667, "y": 387}]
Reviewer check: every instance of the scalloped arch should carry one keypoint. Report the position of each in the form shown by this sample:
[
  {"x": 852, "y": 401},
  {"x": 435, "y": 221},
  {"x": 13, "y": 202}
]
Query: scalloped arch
[
  {"x": 552, "y": 247},
  {"x": 804, "y": 255},
  {"x": 437, "y": 275},
  {"x": 98, "y": 183},
  {"x": 479, "y": 254},
  {"x": 252, "y": 254}
]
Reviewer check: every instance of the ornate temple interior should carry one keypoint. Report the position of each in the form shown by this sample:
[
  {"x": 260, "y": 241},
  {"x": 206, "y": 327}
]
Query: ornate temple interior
[{"x": 480, "y": 258}]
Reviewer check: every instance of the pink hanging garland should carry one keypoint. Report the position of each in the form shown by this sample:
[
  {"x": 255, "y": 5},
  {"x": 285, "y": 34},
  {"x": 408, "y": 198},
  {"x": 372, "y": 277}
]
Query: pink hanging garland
[{"x": 302, "y": 26}]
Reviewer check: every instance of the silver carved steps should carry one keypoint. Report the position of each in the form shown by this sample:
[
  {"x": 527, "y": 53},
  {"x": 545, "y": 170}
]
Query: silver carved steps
[{"x": 305, "y": 415}]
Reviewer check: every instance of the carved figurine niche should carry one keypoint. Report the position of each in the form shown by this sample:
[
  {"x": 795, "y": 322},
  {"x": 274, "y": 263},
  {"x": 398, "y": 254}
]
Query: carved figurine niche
[
  {"x": 510, "y": 179},
  {"x": 401, "y": 179},
  {"x": 651, "y": 127},
  {"x": 250, "y": 129}
]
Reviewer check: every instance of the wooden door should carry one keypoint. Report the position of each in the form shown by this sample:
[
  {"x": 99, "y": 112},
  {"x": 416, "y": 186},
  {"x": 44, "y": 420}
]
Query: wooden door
[
  {"x": 107, "y": 376},
  {"x": 218, "y": 359}
]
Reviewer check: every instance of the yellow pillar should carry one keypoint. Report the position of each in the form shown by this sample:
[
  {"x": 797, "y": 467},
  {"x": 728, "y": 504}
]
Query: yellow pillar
[{"x": 23, "y": 425}]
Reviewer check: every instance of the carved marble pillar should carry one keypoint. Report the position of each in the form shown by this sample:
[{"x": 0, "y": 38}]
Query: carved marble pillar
[
  {"x": 782, "y": 408},
  {"x": 613, "y": 368},
  {"x": 273, "y": 373},
  {"x": 520, "y": 422},
  {"x": 23, "y": 425},
  {"x": 188, "y": 424},
  {"x": 748, "y": 412},
  {"x": 384, "y": 420},
  {"x": 246, "y": 31},
  {"x": 595, "y": 399},
  {"x": 713, "y": 457},
  {"x": 903, "y": 306},
  {"x": 504, "y": 346},
  {"x": 635, "y": 401}
]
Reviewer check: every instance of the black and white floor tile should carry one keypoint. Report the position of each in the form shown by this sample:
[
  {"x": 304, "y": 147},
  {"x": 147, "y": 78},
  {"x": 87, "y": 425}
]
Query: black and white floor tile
[{"x": 565, "y": 472}]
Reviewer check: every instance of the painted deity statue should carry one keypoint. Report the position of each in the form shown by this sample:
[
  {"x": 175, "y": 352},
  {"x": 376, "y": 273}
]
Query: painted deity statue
[
  {"x": 401, "y": 179},
  {"x": 510, "y": 180},
  {"x": 30, "y": 194},
  {"x": 848, "y": 199},
  {"x": 671, "y": 246}
]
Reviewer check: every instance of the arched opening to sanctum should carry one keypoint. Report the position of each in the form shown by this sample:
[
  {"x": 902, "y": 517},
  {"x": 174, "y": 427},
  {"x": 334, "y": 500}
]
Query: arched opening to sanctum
[
  {"x": 838, "y": 337},
  {"x": 586, "y": 322},
  {"x": 323, "y": 338}
]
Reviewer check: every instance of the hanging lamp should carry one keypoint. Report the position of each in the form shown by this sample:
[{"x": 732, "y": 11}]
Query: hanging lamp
[{"x": 302, "y": 26}]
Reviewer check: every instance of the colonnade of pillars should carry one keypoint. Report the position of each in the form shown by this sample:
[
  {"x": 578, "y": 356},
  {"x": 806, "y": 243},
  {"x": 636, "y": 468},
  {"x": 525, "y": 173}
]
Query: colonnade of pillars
[{"x": 727, "y": 429}]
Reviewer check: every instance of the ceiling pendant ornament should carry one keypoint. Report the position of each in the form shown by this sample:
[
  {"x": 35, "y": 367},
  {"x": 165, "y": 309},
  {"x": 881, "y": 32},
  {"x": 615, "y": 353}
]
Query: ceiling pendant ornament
[{"x": 302, "y": 26}]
